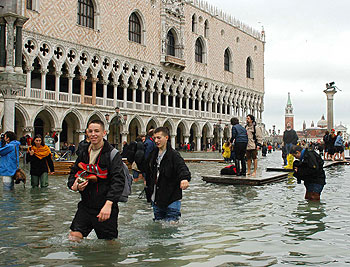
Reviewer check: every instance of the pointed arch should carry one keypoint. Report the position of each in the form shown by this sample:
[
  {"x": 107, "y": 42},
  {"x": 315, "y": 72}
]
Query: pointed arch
[
  {"x": 77, "y": 114},
  {"x": 53, "y": 116},
  {"x": 170, "y": 122},
  {"x": 139, "y": 121},
  {"x": 186, "y": 127},
  {"x": 228, "y": 62},
  {"x": 249, "y": 68},
  {"x": 24, "y": 113}
]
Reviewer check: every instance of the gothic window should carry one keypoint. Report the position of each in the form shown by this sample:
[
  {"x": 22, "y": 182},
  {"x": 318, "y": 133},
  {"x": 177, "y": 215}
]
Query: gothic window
[
  {"x": 194, "y": 23},
  {"x": 199, "y": 51},
  {"x": 86, "y": 13},
  {"x": 249, "y": 68},
  {"x": 170, "y": 44},
  {"x": 134, "y": 28},
  {"x": 29, "y": 4},
  {"x": 227, "y": 60},
  {"x": 206, "y": 29}
]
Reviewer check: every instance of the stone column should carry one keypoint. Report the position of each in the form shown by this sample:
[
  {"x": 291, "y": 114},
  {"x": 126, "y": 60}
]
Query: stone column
[
  {"x": 2, "y": 43},
  {"x": 125, "y": 94},
  {"x": 134, "y": 97},
  {"x": 18, "y": 53},
  {"x": 94, "y": 81},
  {"x": 172, "y": 139},
  {"x": 82, "y": 88},
  {"x": 210, "y": 108},
  {"x": 166, "y": 101},
  {"x": 105, "y": 83},
  {"x": 198, "y": 143},
  {"x": 187, "y": 104},
  {"x": 57, "y": 84},
  {"x": 174, "y": 103},
  {"x": 70, "y": 87},
  {"x": 330, "y": 97},
  {"x": 9, "y": 108},
  {"x": 43, "y": 82},
  {"x": 143, "y": 91},
  {"x": 151, "y": 99},
  {"x": 200, "y": 105},
  {"x": 115, "y": 93},
  {"x": 181, "y": 100},
  {"x": 159, "y": 100},
  {"x": 10, "y": 20},
  {"x": 29, "y": 70}
]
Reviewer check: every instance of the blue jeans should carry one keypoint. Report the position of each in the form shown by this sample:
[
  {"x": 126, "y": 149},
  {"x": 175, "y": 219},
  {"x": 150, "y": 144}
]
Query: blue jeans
[
  {"x": 7, "y": 183},
  {"x": 317, "y": 188},
  {"x": 170, "y": 213}
]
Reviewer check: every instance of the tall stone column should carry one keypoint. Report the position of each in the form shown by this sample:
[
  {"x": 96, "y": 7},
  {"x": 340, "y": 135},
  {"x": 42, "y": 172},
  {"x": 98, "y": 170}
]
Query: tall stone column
[
  {"x": 29, "y": 70},
  {"x": 125, "y": 94},
  {"x": 166, "y": 101},
  {"x": 10, "y": 20},
  {"x": 115, "y": 93},
  {"x": 143, "y": 92},
  {"x": 134, "y": 97},
  {"x": 159, "y": 100},
  {"x": 43, "y": 82},
  {"x": 187, "y": 104},
  {"x": 57, "y": 144},
  {"x": 18, "y": 51},
  {"x": 9, "y": 94},
  {"x": 2, "y": 43},
  {"x": 198, "y": 143},
  {"x": 172, "y": 140},
  {"x": 151, "y": 99},
  {"x": 330, "y": 118},
  {"x": 82, "y": 88},
  {"x": 57, "y": 84},
  {"x": 105, "y": 83},
  {"x": 94, "y": 81},
  {"x": 70, "y": 87}
]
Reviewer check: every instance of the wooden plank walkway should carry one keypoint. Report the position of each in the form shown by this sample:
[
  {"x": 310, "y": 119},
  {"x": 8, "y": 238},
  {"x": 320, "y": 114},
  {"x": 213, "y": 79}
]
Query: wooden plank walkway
[{"x": 272, "y": 175}]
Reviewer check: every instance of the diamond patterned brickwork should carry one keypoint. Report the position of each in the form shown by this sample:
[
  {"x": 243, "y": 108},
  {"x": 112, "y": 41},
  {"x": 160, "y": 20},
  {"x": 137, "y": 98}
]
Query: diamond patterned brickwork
[{"x": 58, "y": 19}]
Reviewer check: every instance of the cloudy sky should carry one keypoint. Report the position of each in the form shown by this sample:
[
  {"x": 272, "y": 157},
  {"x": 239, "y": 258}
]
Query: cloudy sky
[{"x": 307, "y": 46}]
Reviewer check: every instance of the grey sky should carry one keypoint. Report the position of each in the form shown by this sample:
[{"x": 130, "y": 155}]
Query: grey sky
[{"x": 307, "y": 45}]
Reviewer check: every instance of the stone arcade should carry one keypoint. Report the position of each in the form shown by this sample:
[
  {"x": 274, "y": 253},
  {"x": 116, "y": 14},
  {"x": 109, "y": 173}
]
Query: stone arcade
[{"x": 182, "y": 64}]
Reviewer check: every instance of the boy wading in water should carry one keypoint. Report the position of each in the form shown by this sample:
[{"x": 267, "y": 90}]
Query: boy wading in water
[
  {"x": 166, "y": 176},
  {"x": 100, "y": 182},
  {"x": 309, "y": 168}
]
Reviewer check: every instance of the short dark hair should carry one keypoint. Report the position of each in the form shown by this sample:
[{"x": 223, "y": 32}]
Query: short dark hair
[
  {"x": 234, "y": 121},
  {"x": 11, "y": 135},
  {"x": 251, "y": 117},
  {"x": 39, "y": 136},
  {"x": 164, "y": 130},
  {"x": 97, "y": 122},
  {"x": 295, "y": 149}
]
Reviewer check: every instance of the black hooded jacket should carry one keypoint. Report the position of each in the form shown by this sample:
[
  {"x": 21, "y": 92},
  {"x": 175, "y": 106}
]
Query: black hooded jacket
[
  {"x": 310, "y": 169},
  {"x": 172, "y": 171},
  {"x": 96, "y": 194}
]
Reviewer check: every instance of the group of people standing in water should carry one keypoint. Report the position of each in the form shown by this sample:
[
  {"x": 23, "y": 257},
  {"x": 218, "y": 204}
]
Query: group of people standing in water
[{"x": 333, "y": 145}]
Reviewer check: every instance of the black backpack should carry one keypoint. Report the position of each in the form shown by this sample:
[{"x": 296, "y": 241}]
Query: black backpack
[{"x": 128, "y": 178}]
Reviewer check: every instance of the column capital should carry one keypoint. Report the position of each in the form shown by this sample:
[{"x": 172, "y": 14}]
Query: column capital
[
  {"x": 44, "y": 71},
  {"x": 58, "y": 73},
  {"x": 9, "y": 92},
  {"x": 94, "y": 80},
  {"x": 29, "y": 68},
  {"x": 83, "y": 78}
]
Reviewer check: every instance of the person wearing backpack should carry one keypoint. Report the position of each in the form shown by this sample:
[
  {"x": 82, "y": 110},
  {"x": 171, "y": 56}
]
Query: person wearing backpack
[
  {"x": 309, "y": 168},
  {"x": 254, "y": 143},
  {"x": 100, "y": 180}
]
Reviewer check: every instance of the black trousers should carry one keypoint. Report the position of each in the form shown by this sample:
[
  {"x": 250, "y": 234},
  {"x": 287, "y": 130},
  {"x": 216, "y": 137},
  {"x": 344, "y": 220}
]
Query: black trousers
[{"x": 240, "y": 150}]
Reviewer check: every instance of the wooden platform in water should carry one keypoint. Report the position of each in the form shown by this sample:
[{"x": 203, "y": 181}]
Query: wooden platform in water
[
  {"x": 199, "y": 160},
  {"x": 266, "y": 178},
  {"x": 62, "y": 167},
  {"x": 326, "y": 165}
]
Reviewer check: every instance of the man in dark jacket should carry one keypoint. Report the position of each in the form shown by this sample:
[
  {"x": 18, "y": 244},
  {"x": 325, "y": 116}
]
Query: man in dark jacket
[
  {"x": 290, "y": 138},
  {"x": 309, "y": 168},
  {"x": 239, "y": 135},
  {"x": 100, "y": 192},
  {"x": 166, "y": 176}
]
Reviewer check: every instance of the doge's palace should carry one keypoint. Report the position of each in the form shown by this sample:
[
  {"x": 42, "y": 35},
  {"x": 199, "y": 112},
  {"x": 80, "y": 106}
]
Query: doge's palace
[{"x": 135, "y": 65}]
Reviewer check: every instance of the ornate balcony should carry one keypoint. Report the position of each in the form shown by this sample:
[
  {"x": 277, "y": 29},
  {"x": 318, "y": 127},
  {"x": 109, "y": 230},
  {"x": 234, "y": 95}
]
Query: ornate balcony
[{"x": 174, "y": 62}]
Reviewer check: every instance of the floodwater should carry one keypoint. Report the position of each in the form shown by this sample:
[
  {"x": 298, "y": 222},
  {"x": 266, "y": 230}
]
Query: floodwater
[{"x": 270, "y": 225}]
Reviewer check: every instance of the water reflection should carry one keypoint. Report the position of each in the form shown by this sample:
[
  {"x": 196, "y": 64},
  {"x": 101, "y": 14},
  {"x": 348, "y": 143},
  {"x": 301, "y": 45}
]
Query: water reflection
[{"x": 308, "y": 220}]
